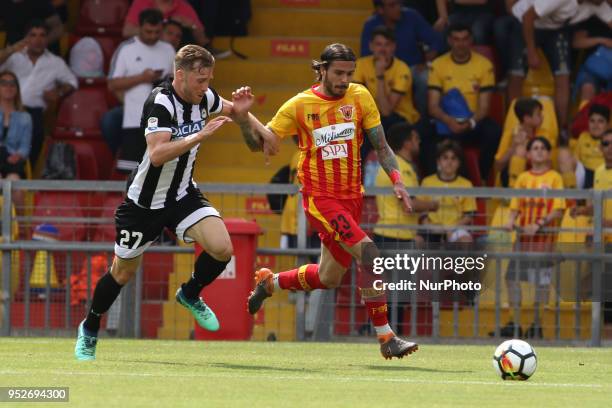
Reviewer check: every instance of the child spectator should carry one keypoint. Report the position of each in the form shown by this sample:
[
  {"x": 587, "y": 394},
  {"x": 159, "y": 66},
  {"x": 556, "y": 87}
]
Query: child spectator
[
  {"x": 511, "y": 156},
  {"x": 453, "y": 212},
  {"x": 578, "y": 167},
  {"x": 533, "y": 215}
]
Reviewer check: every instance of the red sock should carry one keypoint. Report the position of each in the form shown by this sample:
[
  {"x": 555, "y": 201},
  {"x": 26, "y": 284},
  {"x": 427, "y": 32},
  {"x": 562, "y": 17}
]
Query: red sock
[
  {"x": 377, "y": 310},
  {"x": 306, "y": 278}
]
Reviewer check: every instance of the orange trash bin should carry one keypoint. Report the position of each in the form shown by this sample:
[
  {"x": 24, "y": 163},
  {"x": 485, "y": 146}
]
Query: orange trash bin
[{"x": 227, "y": 295}]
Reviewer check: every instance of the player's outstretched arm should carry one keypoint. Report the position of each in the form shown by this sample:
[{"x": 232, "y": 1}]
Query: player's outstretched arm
[
  {"x": 388, "y": 162},
  {"x": 162, "y": 149}
]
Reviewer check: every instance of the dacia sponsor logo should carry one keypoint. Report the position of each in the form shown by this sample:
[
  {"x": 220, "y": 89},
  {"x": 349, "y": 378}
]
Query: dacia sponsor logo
[
  {"x": 187, "y": 129},
  {"x": 325, "y": 135}
]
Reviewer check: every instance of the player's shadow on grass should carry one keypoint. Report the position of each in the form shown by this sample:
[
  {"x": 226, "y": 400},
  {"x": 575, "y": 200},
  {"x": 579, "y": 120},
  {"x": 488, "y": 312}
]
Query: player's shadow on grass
[
  {"x": 222, "y": 365},
  {"x": 422, "y": 369},
  {"x": 260, "y": 367}
]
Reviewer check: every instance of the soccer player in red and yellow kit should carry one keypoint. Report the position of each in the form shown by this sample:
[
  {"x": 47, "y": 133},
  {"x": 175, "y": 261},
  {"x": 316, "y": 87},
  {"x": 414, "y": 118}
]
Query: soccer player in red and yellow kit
[
  {"x": 533, "y": 214},
  {"x": 330, "y": 120}
]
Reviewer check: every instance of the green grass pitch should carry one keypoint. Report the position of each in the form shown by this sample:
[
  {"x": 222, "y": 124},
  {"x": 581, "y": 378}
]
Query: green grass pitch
[{"x": 156, "y": 373}]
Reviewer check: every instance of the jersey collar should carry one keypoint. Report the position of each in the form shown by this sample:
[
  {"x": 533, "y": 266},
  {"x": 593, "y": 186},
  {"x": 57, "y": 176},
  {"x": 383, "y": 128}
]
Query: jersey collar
[{"x": 323, "y": 96}]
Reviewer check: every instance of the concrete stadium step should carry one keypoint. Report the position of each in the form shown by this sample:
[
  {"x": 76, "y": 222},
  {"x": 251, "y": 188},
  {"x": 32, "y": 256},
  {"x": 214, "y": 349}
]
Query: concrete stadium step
[
  {"x": 319, "y": 4},
  {"x": 264, "y": 72},
  {"x": 225, "y": 154},
  {"x": 233, "y": 174},
  {"x": 567, "y": 315},
  {"x": 271, "y": 46},
  {"x": 307, "y": 22}
]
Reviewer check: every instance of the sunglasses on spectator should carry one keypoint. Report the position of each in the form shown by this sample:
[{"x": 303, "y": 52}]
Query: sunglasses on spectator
[
  {"x": 605, "y": 143},
  {"x": 8, "y": 82}
]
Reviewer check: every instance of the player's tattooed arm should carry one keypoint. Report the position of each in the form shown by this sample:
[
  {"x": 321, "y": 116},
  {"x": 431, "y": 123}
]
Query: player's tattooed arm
[
  {"x": 387, "y": 160},
  {"x": 250, "y": 135},
  {"x": 386, "y": 157}
]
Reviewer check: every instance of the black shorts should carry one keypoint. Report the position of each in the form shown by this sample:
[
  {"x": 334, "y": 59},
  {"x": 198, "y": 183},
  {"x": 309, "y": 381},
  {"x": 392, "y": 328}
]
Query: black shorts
[{"x": 137, "y": 227}]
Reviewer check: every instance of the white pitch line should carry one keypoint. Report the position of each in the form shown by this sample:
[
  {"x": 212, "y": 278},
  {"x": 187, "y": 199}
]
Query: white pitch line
[{"x": 308, "y": 377}]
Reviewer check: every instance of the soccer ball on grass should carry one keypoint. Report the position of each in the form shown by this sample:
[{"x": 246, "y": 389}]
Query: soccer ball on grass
[{"x": 515, "y": 360}]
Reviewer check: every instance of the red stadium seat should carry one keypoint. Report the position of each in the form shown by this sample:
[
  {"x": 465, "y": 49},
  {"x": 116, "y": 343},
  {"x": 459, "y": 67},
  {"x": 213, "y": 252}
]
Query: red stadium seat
[
  {"x": 61, "y": 204},
  {"x": 470, "y": 156},
  {"x": 102, "y": 17},
  {"x": 80, "y": 113},
  {"x": 105, "y": 232},
  {"x": 86, "y": 163}
]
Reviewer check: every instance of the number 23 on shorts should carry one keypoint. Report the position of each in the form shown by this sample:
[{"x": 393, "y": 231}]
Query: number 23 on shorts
[{"x": 130, "y": 239}]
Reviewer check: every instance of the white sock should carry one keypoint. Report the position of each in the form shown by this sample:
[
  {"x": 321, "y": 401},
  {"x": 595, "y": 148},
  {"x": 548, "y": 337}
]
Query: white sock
[
  {"x": 275, "y": 280},
  {"x": 383, "y": 330}
]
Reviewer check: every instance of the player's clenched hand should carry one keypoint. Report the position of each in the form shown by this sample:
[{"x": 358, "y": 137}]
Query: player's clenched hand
[
  {"x": 212, "y": 126},
  {"x": 242, "y": 99},
  {"x": 400, "y": 192}
]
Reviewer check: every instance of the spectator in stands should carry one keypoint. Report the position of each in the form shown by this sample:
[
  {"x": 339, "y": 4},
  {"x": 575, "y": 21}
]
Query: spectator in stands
[
  {"x": 454, "y": 213},
  {"x": 469, "y": 74},
  {"x": 427, "y": 9},
  {"x": 16, "y": 132},
  {"x": 603, "y": 182},
  {"x": 388, "y": 79},
  {"x": 578, "y": 167},
  {"x": 533, "y": 215},
  {"x": 404, "y": 140},
  {"x": 511, "y": 156},
  {"x": 542, "y": 23},
  {"x": 477, "y": 14},
  {"x": 137, "y": 64},
  {"x": 417, "y": 42},
  {"x": 177, "y": 10},
  {"x": 44, "y": 78},
  {"x": 173, "y": 33},
  {"x": 15, "y": 16},
  {"x": 591, "y": 33}
]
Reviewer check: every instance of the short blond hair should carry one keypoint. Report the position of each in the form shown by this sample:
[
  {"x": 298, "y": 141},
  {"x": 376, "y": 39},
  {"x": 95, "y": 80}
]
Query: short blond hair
[{"x": 192, "y": 58}]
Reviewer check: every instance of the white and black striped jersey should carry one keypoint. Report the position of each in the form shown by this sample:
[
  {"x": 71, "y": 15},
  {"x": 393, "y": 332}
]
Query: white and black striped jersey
[{"x": 157, "y": 187}]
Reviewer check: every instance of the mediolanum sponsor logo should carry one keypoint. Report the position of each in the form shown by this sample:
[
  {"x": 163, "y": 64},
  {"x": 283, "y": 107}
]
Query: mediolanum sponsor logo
[
  {"x": 187, "y": 129},
  {"x": 325, "y": 135}
]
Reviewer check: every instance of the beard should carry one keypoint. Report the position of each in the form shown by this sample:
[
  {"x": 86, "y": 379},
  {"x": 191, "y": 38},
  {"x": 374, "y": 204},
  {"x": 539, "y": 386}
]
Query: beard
[{"x": 334, "y": 91}]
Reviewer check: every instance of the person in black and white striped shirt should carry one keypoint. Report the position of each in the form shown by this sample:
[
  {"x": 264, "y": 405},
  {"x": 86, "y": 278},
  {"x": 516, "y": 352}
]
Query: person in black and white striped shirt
[{"x": 162, "y": 193}]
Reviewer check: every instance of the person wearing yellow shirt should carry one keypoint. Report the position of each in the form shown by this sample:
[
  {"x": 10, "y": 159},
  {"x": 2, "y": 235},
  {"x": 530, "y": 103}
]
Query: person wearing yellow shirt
[
  {"x": 579, "y": 166},
  {"x": 454, "y": 213},
  {"x": 603, "y": 181},
  {"x": 472, "y": 75},
  {"x": 404, "y": 141},
  {"x": 388, "y": 79},
  {"x": 532, "y": 215},
  {"x": 511, "y": 156}
]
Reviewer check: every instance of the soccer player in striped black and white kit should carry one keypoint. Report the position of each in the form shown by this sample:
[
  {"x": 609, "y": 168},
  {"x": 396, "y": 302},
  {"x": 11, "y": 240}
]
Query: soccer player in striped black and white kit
[{"x": 175, "y": 120}]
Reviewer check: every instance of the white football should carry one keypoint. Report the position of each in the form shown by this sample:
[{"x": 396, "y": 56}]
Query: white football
[{"x": 515, "y": 360}]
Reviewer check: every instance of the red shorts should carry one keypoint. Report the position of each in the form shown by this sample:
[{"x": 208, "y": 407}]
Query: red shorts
[{"x": 336, "y": 221}]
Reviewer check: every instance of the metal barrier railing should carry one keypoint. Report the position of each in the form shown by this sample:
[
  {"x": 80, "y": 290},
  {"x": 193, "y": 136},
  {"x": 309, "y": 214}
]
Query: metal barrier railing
[{"x": 440, "y": 319}]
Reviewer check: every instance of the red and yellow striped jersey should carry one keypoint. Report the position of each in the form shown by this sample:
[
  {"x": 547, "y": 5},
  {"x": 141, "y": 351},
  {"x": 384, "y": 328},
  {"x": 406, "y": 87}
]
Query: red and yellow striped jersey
[
  {"x": 330, "y": 133},
  {"x": 532, "y": 209}
]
